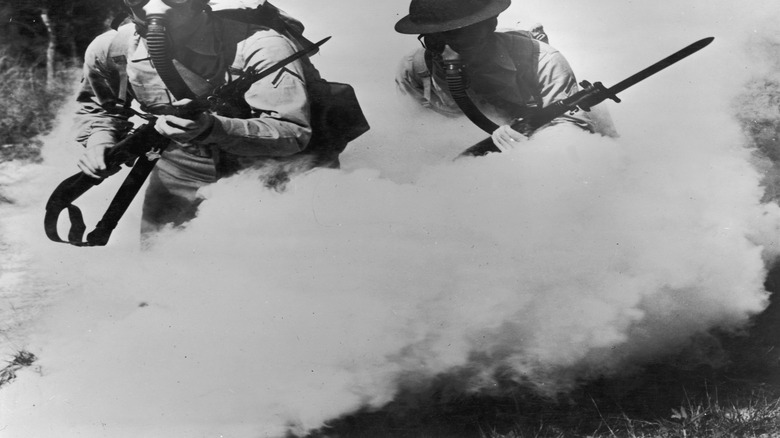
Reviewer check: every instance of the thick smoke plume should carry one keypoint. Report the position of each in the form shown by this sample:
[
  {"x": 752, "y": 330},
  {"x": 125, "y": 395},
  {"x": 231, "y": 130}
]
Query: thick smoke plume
[
  {"x": 758, "y": 107},
  {"x": 569, "y": 257}
]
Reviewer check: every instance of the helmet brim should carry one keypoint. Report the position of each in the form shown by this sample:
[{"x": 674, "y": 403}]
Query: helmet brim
[{"x": 407, "y": 26}]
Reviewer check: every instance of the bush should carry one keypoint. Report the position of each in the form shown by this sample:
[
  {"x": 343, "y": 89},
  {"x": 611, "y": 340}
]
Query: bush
[{"x": 28, "y": 107}]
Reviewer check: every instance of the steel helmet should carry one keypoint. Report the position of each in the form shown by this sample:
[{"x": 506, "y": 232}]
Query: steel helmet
[{"x": 433, "y": 16}]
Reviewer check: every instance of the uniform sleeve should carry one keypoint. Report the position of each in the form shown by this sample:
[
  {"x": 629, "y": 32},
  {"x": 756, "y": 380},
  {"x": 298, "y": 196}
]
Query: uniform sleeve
[
  {"x": 557, "y": 81},
  {"x": 280, "y": 123},
  {"x": 94, "y": 123}
]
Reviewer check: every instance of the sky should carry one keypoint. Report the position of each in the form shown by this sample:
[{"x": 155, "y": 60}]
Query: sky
[{"x": 572, "y": 255}]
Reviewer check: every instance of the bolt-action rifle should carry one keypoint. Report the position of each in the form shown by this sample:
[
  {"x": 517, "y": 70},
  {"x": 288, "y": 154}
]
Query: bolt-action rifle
[
  {"x": 144, "y": 146},
  {"x": 590, "y": 96}
]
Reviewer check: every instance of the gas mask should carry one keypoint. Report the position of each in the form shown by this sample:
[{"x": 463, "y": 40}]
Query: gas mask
[
  {"x": 465, "y": 40},
  {"x": 434, "y": 42},
  {"x": 141, "y": 19},
  {"x": 449, "y": 48},
  {"x": 153, "y": 28}
]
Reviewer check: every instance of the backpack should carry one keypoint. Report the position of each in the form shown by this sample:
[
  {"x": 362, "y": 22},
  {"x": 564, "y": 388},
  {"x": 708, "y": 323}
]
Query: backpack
[{"x": 336, "y": 115}]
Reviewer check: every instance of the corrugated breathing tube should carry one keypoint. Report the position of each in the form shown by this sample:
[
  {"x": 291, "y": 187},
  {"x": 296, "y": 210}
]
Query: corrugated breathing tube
[
  {"x": 456, "y": 83},
  {"x": 157, "y": 44}
]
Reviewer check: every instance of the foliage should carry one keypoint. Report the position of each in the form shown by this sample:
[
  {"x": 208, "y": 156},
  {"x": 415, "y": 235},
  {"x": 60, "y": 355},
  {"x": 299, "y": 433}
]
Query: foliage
[
  {"x": 28, "y": 107},
  {"x": 757, "y": 108},
  {"x": 754, "y": 414},
  {"x": 662, "y": 400},
  {"x": 21, "y": 360},
  {"x": 76, "y": 22},
  {"x": 27, "y": 102}
]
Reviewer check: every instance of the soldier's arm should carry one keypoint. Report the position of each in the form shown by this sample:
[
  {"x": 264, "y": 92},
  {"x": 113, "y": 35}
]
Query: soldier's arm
[
  {"x": 280, "y": 123},
  {"x": 97, "y": 126},
  {"x": 557, "y": 81}
]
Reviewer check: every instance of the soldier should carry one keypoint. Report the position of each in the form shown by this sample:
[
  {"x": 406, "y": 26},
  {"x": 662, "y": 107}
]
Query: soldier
[
  {"x": 136, "y": 62},
  {"x": 506, "y": 74}
]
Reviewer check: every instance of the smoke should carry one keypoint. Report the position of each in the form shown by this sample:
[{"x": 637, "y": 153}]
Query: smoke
[
  {"x": 569, "y": 257},
  {"x": 758, "y": 107}
]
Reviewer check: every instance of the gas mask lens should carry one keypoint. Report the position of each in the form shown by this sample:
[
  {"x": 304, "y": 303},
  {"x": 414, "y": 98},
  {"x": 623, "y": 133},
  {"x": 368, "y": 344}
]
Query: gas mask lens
[{"x": 433, "y": 42}]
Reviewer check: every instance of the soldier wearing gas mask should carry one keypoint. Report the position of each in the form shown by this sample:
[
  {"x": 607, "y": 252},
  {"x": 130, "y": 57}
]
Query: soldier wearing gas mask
[
  {"x": 174, "y": 53},
  {"x": 502, "y": 75}
]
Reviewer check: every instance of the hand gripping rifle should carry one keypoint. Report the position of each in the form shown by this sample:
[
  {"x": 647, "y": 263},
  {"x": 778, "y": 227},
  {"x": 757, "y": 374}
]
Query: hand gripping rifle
[
  {"x": 144, "y": 146},
  {"x": 590, "y": 96}
]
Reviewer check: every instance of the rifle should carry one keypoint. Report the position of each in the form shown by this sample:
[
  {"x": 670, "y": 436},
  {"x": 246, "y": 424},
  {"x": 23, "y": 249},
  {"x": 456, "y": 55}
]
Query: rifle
[
  {"x": 144, "y": 146},
  {"x": 589, "y": 96}
]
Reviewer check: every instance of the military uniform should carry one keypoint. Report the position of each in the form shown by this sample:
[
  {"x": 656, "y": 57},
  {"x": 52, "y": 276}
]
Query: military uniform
[
  {"x": 279, "y": 125},
  {"x": 514, "y": 73}
]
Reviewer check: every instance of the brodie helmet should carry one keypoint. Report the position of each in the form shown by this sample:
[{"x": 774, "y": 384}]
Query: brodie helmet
[{"x": 433, "y": 16}]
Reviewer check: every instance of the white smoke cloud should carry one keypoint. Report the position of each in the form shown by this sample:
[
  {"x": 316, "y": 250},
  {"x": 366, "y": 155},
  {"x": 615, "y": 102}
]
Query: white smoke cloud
[{"x": 571, "y": 255}]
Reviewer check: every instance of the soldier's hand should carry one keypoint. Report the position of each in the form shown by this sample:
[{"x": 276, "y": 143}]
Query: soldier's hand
[
  {"x": 506, "y": 138},
  {"x": 184, "y": 130},
  {"x": 92, "y": 161}
]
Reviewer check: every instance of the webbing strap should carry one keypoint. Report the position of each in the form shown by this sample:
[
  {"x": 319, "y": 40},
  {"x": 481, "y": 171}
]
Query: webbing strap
[
  {"x": 77, "y": 225},
  {"x": 144, "y": 145},
  {"x": 77, "y": 185}
]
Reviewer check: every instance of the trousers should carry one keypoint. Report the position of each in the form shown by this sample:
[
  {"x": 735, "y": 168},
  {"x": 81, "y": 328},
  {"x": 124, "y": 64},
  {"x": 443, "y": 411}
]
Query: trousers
[{"x": 172, "y": 194}]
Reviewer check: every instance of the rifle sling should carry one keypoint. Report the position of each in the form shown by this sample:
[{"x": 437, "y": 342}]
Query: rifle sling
[
  {"x": 72, "y": 188},
  {"x": 140, "y": 145}
]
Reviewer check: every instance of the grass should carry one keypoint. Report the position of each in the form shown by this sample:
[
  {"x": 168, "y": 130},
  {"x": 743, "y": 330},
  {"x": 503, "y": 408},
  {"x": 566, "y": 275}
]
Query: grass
[
  {"x": 741, "y": 399},
  {"x": 21, "y": 360},
  {"x": 28, "y": 106},
  {"x": 750, "y": 410},
  {"x": 663, "y": 400}
]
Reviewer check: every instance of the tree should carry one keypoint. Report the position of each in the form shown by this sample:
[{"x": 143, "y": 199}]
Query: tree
[
  {"x": 51, "y": 48},
  {"x": 43, "y": 32}
]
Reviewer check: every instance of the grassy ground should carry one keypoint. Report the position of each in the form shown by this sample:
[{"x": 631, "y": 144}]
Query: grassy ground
[
  {"x": 21, "y": 360},
  {"x": 741, "y": 399},
  {"x": 691, "y": 407},
  {"x": 28, "y": 108}
]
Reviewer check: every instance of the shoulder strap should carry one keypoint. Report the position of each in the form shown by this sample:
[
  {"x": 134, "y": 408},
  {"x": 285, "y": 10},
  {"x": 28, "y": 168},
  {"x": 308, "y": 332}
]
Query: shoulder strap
[
  {"x": 199, "y": 86},
  {"x": 117, "y": 56}
]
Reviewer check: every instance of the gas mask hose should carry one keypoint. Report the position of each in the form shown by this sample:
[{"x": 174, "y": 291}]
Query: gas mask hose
[
  {"x": 455, "y": 77},
  {"x": 157, "y": 42}
]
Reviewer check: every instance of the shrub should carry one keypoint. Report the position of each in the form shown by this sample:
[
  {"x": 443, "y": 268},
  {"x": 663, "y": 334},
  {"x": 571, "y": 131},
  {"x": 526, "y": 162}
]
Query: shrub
[{"x": 28, "y": 106}]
